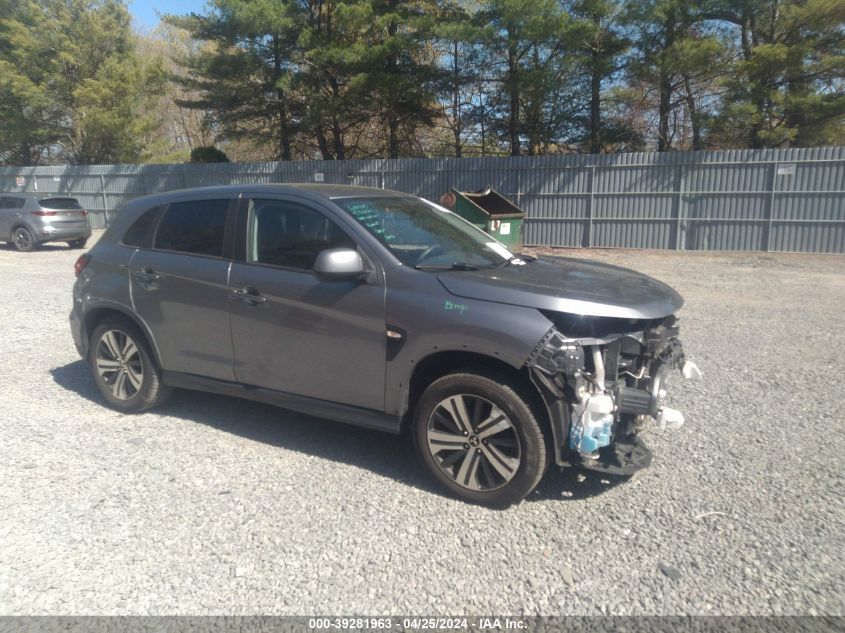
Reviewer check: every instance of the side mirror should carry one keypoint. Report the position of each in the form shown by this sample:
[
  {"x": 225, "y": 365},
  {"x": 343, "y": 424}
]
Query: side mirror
[{"x": 339, "y": 264}]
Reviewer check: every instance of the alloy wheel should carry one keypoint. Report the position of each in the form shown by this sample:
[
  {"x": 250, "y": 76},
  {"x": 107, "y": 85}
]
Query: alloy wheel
[
  {"x": 119, "y": 364},
  {"x": 473, "y": 442},
  {"x": 23, "y": 239}
]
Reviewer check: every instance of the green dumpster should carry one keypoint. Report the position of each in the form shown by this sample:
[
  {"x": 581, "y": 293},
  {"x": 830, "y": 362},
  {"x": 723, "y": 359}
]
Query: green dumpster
[{"x": 489, "y": 211}]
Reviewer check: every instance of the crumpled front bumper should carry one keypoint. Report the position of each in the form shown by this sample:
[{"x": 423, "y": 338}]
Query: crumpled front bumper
[{"x": 601, "y": 391}]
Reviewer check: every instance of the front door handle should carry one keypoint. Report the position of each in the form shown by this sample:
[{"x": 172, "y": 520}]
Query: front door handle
[{"x": 248, "y": 296}]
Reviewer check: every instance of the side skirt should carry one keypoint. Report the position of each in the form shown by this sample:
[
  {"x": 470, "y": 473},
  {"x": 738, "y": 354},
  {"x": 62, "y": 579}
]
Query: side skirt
[{"x": 368, "y": 418}]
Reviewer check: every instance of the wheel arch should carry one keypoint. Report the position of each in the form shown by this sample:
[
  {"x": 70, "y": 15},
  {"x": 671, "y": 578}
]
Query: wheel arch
[
  {"x": 444, "y": 362},
  {"x": 96, "y": 315},
  {"x": 22, "y": 224}
]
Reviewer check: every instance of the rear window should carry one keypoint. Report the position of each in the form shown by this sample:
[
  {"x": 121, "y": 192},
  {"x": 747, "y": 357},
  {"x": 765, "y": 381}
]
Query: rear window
[
  {"x": 195, "y": 227},
  {"x": 59, "y": 203}
]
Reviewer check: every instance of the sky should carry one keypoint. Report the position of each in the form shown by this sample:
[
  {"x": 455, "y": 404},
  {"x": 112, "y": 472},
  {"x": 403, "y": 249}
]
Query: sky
[{"x": 144, "y": 11}]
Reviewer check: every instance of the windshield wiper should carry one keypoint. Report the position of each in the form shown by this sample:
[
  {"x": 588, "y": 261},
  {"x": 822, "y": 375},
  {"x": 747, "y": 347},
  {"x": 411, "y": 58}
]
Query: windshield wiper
[
  {"x": 453, "y": 266},
  {"x": 527, "y": 259}
]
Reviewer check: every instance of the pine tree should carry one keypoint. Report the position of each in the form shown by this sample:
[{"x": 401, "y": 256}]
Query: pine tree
[
  {"x": 680, "y": 57},
  {"x": 457, "y": 38},
  {"x": 599, "y": 48},
  {"x": 787, "y": 88},
  {"x": 522, "y": 36},
  {"x": 245, "y": 73}
]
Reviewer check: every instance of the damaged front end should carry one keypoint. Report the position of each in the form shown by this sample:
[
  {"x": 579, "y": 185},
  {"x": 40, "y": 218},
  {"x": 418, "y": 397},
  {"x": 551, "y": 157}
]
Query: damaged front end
[{"x": 603, "y": 380}]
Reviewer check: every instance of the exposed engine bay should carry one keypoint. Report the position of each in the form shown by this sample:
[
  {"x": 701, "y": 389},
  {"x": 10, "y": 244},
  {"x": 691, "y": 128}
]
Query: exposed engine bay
[{"x": 603, "y": 381}]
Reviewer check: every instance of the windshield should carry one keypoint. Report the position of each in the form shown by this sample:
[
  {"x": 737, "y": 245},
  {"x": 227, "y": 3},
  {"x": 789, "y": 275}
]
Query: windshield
[{"x": 424, "y": 235}]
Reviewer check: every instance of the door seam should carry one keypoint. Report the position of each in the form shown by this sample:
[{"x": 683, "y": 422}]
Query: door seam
[{"x": 229, "y": 318}]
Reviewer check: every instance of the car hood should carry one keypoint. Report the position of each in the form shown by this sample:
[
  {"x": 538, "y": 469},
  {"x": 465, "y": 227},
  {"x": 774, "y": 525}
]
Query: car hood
[{"x": 575, "y": 286}]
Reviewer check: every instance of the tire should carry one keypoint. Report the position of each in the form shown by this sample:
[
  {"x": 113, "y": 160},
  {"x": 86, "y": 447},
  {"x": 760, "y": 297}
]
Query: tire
[
  {"x": 78, "y": 243},
  {"x": 24, "y": 240},
  {"x": 126, "y": 375},
  {"x": 507, "y": 464}
]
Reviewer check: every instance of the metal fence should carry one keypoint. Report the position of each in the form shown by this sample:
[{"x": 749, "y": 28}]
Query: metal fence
[{"x": 750, "y": 200}]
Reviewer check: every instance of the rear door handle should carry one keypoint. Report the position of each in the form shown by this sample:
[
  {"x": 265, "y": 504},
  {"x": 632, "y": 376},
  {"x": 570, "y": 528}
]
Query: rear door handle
[
  {"x": 248, "y": 296},
  {"x": 147, "y": 277},
  {"x": 146, "y": 274}
]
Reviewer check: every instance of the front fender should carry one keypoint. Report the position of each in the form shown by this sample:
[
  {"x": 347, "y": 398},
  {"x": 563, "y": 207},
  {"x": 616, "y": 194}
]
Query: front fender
[{"x": 432, "y": 321}]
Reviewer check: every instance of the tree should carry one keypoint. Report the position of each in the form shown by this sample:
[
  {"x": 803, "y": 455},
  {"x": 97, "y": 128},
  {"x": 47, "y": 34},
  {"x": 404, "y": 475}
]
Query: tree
[
  {"x": 600, "y": 44},
  {"x": 306, "y": 71},
  {"x": 339, "y": 85},
  {"x": 786, "y": 89},
  {"x": 109, "y": 127},
  {"x": 399, "y": 71},
  {"x": 208, "y": 154},
  {"x": 28, "y": 108},
  {"x": 243, "y": 77},
  {"x": 522, "y": 36},
  {"x": 363, "y": 78},
  {"x": 339, "y": 79},
  {"x": 678, "y": 57},
  {"x": 457, "y": 45},
  {"x": 71, "y": 84},
  {"x": 331, "y": 52},
  {"x": 182, "y": 129}
]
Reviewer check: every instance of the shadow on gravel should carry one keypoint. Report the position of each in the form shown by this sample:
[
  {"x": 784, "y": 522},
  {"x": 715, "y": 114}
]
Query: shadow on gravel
[
  {"x": 387, "y": 455},
  {"x": 58, "y": 246},
  {"x": 573, "y": 484}
]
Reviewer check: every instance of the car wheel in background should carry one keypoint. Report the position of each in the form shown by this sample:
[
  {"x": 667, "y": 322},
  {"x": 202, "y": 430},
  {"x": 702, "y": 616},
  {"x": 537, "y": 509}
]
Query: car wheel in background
[
  {"x": 78, "y": 243},
  {"x": 123, "y": 368},
  {"x": 24, "y": 240},
  {"x": 478, "y": 436}
]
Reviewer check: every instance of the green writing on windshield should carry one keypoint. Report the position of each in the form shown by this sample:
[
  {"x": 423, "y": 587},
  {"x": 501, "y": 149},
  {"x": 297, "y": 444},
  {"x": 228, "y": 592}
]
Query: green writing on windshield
[{"x": 370, "y": 218}]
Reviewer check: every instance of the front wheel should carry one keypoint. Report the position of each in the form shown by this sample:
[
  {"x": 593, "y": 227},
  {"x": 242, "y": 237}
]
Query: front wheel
[
  {"x": 480, "y": 439},
  {"x": 78, "y": 243},
  {"x": 123, "y": 368}
]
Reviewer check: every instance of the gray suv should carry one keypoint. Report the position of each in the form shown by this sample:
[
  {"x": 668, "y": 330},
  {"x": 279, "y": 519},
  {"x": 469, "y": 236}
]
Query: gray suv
[
  {"x": 29, "y": 220},
  {"x": 384, "y": 310}
]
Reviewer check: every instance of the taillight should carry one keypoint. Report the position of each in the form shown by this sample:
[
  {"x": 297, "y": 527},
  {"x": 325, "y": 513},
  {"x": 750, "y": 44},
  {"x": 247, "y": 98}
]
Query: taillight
[
  {"x": 42, "y": 213},
  {"x": 81, "y": 263},
  {"x": 84, "y": 211}
]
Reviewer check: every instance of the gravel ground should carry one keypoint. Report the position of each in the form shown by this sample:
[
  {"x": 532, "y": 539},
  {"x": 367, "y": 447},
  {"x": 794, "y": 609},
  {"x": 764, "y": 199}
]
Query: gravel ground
[{"x": 212, "y": 505}]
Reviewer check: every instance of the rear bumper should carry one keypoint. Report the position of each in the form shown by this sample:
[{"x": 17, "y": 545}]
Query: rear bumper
[
  {"x": 51, "y": 234},
  {"x": 76, "y": 332},
  {"x": 80, "y": 340}
]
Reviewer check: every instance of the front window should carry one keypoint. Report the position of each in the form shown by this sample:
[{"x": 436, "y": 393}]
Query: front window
[
  {"x": 287, "y": 234},
  {"x": 423, "y": 235}
]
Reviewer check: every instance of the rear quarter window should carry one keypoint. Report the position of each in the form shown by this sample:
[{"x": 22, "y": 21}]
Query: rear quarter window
[
  {"x": 196, "y": 227},
  {"x": 140, "y": 234},
  {"x": 11, "y": 202}
]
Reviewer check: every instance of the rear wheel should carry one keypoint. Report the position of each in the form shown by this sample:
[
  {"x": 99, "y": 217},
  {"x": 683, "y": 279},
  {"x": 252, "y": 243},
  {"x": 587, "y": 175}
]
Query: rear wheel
[
  {"x": 123, "y": 368},
  {"x": 23, "y": 239},
  {"x": 78, "y": 243},
  {"x": 479, "y": 438}
]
